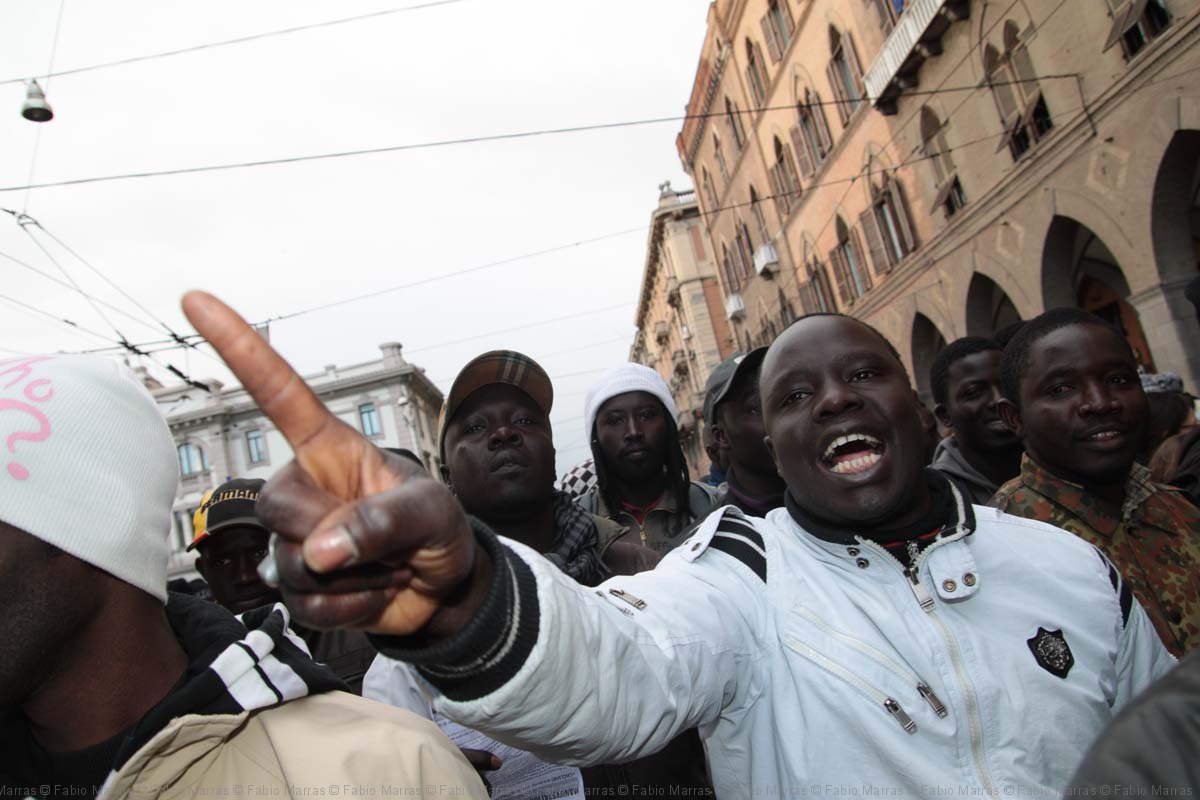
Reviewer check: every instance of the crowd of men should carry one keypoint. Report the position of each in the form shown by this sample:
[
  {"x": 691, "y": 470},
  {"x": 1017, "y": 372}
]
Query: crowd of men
[{"x": 842, "y": 603}]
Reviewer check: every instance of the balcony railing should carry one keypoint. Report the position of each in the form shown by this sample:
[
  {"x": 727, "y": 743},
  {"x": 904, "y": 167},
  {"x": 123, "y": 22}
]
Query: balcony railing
[{"x": 916, "y": 36}]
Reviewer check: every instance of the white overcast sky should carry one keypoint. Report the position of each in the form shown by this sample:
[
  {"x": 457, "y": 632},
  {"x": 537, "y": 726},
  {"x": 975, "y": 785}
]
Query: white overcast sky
[{"x": 275, "y": 239}]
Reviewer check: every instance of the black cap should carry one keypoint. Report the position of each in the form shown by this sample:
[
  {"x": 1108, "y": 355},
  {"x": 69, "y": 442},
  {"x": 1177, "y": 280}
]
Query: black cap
[
  {"x": 229, "y": 505},
  {"x": 724, "y": 376}
]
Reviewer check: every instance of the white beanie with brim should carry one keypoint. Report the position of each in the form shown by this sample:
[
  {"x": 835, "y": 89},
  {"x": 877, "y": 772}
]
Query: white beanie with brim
[
  {"x": 89, "y": 464},
  {"x": 621, "y": 380}
]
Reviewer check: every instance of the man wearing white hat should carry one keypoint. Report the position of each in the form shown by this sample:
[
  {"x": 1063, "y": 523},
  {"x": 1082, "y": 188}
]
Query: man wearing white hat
[
  {"x": 642, "y": 476},
  {"x": 110, "y": 688}
]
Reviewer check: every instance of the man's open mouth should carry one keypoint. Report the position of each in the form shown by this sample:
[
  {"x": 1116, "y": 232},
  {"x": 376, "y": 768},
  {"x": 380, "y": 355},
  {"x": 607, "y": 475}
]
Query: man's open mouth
[
  {"x": 997, "y": 425},
  {"x": 852, "y": 453}
]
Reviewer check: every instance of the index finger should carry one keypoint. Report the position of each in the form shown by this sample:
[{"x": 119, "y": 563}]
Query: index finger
[{"x": 281, "y": 394}]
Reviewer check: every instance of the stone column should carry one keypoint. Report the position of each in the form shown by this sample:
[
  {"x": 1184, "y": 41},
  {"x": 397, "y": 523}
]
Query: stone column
[{"x": 1169, "y": 322}]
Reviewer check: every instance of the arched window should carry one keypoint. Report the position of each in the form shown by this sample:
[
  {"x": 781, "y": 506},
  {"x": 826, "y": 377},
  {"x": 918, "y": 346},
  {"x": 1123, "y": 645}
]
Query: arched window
[
  {"x": 810, "y": 137},
  {"x": 743, "y": 249},
  {"x": 710, "y": 194},
  {"x": 1023, "y": 110},
  {"x": 777, "y": 27},
  {"x": 733, "y": 118},
  {"x": 849, "y": 266},
  {"x": 948, "y": 191},
  {"x": 729, "y": 272},
  {"x": 784, "y": 181},
  {"x": 760, "y": 219},
  {"x": 887, "y": 224},
  {"x": 192, "y": 460},
  {"x": 845, "y": 73},
  {"x": 719, "y": 155},
  {"x": 756, "y": 73},
  {"x": 819, "y": 291},
  {"x": 1135, "y": 24}
]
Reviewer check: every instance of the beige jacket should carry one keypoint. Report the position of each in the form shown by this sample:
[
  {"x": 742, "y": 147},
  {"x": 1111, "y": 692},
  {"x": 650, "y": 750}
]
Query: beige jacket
[{"x": 326, "y": 745}]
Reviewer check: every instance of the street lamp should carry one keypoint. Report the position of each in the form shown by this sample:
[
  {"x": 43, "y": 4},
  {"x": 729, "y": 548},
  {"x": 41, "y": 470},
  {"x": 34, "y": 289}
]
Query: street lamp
[{"x": 36, "y": 109}]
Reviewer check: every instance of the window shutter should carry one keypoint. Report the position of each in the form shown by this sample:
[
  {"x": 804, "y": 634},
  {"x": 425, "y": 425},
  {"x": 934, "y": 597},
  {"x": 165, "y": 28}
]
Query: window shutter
[
  {"x": 772, "y": 37},
  {"x": 789, "y": 177},
  {"x": 1023, "y": 66},
  {"x": 800, "y": 144},
  {"x": 818, "y": 113},
  {"x": 1120, "y": 24},
  {"x": 880, "y": 256},
  {"x": 762, "y": 69},
  {"x": 835, "y": 83},
  {"x": 788, "y": 18},
  {"x": 903, "y": 217},
  {"x": 780, "y": 194},
  {"x": 755, "y": 90},
  {"x": 943, "y": 192},
  {"x": 851, "y": 56},
  {"x": 857, "y": 249},
  {"x": 1005, "y": 99},
  {"x": 841, "y": 276}
]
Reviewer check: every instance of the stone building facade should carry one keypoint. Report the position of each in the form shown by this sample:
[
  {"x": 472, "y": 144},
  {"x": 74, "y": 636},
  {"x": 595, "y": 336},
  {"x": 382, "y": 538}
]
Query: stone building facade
[
  {"x": 943, "y": 168},
  {"x": 222, "y": 434},
  {"x": 681, "y": 328}
]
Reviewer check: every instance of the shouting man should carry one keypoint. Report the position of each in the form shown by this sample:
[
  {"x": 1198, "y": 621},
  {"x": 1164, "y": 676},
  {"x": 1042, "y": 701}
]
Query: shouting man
[{"x": 878, "y": 626}]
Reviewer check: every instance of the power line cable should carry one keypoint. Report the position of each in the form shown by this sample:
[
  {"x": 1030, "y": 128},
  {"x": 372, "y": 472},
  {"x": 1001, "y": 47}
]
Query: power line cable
[
  {"x": 66, "y": 285},
  {"x": 810, "y": 187},
  {"x": 454, "y": 274},
  {"x": 61, "y": 320},
  {"x": 236, "y": 40},
  {"x": 174, "y": 336},
  {"x": 442, "y": 143}
]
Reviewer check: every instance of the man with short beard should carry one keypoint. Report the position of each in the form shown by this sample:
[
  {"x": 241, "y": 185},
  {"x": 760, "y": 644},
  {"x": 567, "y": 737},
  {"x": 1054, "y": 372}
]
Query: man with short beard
[
  {"x": 1073, "y": 394},
  {"x": 981, "y": 451},
  {"x": 497, "y": 451},
  {"x": 642, "y": 478},
  {"x": 878, "y": 626}
]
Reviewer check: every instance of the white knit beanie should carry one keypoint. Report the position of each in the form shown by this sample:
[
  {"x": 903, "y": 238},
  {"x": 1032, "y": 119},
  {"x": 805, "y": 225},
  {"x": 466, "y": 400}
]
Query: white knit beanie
[
  {"x": 625, "y": 378},
  {"x": 89, "y": 464}
]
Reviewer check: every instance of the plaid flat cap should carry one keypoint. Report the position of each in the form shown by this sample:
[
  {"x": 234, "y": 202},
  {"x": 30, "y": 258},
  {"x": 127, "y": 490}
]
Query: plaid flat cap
[{"x": 497, "y": 366}]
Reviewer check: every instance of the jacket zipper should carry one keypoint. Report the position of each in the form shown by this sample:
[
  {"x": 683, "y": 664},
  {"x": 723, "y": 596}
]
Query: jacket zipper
[
  {"x": 885, "y": 661},
  {"x": 889, "y": 704},
  {"x": 913, "y": 574}
]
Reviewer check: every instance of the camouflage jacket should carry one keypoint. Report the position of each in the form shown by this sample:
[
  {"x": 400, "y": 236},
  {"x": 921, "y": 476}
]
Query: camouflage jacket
[{"x": 1154, "y": 541}]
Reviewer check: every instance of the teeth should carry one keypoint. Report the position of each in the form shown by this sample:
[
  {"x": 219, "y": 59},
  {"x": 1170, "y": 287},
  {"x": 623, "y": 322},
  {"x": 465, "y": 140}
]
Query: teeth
[
  {"x": 856, "y": 465},
  {"x": 853, "y": 437},
  {"x": 1104, "y": 435}
]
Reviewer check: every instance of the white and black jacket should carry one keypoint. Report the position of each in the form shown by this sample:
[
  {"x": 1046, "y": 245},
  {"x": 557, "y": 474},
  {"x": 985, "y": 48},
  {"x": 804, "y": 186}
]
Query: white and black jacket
[{"x": 811, "y": 665}]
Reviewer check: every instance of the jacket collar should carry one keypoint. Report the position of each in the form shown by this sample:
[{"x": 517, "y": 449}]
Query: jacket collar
[
  {"x": 952, "y": 515},
  {"x": 949, "y": 458}
]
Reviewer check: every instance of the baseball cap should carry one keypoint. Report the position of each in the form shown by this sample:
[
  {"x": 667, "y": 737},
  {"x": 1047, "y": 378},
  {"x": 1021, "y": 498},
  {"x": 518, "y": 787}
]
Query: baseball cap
[
  {"x": 496, "y": 366},
  {"x": 230, "y": 504},
  {"x": 724, "y": 376}
]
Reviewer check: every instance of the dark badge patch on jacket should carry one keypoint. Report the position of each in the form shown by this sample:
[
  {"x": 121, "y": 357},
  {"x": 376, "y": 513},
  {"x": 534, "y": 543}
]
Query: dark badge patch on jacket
[{"x": 1052, "y": 652}]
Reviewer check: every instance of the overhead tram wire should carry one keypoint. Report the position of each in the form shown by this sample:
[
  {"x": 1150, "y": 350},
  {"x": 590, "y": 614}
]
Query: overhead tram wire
[
  {"x": 167, "y": 328},
  {"x": 850, "y": 179},
  {"x": 236, "y": 40},
  {"x": 37, "y": 135},
  {"x": 453, "y": 142}
]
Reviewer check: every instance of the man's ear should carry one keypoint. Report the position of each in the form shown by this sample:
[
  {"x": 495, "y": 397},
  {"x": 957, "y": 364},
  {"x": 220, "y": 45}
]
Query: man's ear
[
  {"x": 943, "y": 416},
  {"x": 444, "y": 471},
  {"x": 1011, "y": 415},
  {"x": 719, "y": 437}
]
